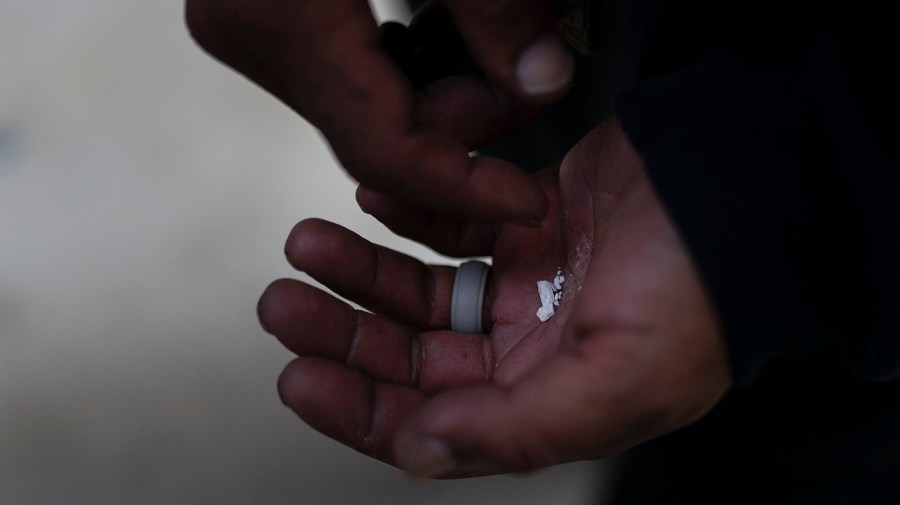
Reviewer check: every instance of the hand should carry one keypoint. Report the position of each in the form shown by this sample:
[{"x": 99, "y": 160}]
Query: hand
[
  {"x": 327, "y": 61},
  {"x": 633, "y": 352}
]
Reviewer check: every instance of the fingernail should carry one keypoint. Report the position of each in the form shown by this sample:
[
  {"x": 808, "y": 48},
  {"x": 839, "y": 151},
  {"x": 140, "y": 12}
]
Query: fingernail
[
  {"x": 545, "y": 67},
  {"x": 426, "y": 460}
]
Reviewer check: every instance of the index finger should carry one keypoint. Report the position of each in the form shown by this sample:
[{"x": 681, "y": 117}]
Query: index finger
[{"x": 325, "y": 60}]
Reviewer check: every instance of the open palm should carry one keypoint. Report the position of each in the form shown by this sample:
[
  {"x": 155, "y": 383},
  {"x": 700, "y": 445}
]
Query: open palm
[{"x": 633, "y": 351}]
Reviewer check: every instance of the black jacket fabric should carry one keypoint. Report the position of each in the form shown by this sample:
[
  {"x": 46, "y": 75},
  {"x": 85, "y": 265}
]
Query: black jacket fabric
[{"x": 772, "y": 132}]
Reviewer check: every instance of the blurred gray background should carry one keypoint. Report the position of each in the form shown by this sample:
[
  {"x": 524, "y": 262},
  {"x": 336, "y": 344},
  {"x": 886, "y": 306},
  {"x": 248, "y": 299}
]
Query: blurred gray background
[{"x": 145, "y": 194}]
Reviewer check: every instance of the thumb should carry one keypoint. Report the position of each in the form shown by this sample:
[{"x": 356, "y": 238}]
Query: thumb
[{"x": 515, "y": 43}]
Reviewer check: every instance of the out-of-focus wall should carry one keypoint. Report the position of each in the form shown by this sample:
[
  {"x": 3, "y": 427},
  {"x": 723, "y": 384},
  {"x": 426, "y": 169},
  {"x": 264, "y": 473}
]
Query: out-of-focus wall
[{"x": 145, "y": 193}]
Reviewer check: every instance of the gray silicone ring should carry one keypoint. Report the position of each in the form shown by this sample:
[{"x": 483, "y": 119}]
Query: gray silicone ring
[{"x": 468, "y": 297}]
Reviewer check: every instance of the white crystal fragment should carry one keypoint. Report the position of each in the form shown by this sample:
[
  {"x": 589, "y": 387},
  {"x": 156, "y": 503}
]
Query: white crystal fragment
[
  {"x": 551, "y": 295},
  {"x": 545, "y": 291},
  {"x": 558, "y": 281}
]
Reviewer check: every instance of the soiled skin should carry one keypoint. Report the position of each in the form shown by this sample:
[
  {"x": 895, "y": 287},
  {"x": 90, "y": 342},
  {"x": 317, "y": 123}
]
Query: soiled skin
[
  {"x": 633, "y": 352},
  {"x": 326, "y": 60}
]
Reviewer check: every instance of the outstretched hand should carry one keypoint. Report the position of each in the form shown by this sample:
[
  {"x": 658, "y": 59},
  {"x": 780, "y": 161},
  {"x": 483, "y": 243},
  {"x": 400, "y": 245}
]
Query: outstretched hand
[
  {"x": 634, "y": 350},
  {"x": 330, "y": 63}
]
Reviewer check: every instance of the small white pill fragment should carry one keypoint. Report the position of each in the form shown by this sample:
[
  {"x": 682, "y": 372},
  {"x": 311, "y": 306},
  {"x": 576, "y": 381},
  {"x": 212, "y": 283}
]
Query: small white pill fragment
[
  {"x": 550, "y": 294},
  {"x": 545, "y": 291},
  {"x": 558, "y": 281},
  {"x": 545, "y": 313}
]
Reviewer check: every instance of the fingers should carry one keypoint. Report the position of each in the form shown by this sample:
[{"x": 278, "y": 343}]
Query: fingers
[
  {"x": 515, "y": 44},
  {"x": 360, "y": 376},
  {"x": 347, "y": 405},
  {"x": 470, "y": 109},
  {"x": 325, "y": 60},
  {"x": 434, "y": 172},
  {"x": 377, "y": 278},
  {"x": 445, "y": 235},
  {"x": 454, "y": 96},
  {"x": 310, "y": 322},
  {"x": 289, "y": 46},
  {"x": 593, "y": 401},
  {"x": 472, "y": 431}
]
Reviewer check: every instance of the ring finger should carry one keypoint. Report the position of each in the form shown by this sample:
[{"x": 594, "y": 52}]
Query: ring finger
[{"x": 382, "y": 280}]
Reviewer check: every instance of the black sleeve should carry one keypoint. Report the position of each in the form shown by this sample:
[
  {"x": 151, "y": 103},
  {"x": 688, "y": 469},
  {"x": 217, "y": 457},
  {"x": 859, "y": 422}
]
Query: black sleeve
[{"x": 777, "y": 153}]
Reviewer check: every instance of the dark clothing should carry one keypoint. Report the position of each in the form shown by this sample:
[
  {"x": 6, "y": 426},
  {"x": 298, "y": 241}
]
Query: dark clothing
[
  {"x": 771, "y": 131},
  {"x": 805, "y": 431},
  {"x": 773, "y": 137},
  {"x": 773, "y": 140}
]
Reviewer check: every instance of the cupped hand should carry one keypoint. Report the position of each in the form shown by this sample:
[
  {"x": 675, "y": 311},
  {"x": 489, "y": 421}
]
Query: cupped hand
[
  {"x": 634, "y": 350},
  {"x": 329, "y": 62}
]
